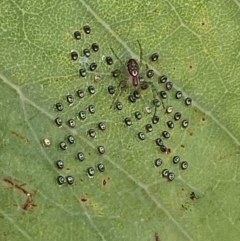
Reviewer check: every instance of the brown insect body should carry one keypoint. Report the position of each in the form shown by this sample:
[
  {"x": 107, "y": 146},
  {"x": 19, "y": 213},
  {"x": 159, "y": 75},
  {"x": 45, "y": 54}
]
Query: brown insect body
[{"x": 133, "y": 70}]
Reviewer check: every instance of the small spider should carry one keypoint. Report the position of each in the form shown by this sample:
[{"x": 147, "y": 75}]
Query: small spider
[{"x": 135, "y": 79}]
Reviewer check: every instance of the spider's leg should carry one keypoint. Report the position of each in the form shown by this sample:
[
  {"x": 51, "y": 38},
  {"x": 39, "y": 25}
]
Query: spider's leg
[
  {"x": 155, "y": 95},
  {"x": 117, "y": 57},
  {"x": 122, "y": 85},
  {"x": 140, "y": 53}
]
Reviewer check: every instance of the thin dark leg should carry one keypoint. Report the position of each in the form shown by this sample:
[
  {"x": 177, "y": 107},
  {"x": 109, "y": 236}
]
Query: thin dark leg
[
  {"x": 140, "y": 53},
  {"x": 155, "y": 94},
  {"x": 122, "y": 85},
  {"x": 118, "y": 58}
]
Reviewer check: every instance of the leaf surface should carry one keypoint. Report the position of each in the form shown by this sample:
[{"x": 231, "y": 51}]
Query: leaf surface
[{"x": 198, "y": 47}]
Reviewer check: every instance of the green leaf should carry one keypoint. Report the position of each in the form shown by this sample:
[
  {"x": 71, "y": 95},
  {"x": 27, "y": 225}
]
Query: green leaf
[{"x": 198, "y": 47}]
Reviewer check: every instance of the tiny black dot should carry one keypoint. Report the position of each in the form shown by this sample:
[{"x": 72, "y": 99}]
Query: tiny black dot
[
  {"x": 86, "y": 52},
  {"x": 92, "y": 66},
  {"x": 165, "y": 172},
  {"x": 59, "y": 106},
  {"x": 116, "y": 73},
  {"x": 82, "y": 72},
  {"x": 171, "y": 176},
  {"x": 60, "y": 164},
  {"x": 82, "y": 115},
  {"x": 150, "y": 73},
  {"x": 70, "y": 180},
  {"x": 184, "y": 165},
  {"x": 128, "y": 121},
  {"x": 136, "y": 94},
  {"x": 70, "y": 99},
  {"x": 178, "y": 94},
  {"x": 58, "y": 121},
  {"x": 188, "y": 101},
  {"x": 170, "y": 124},
  {"x": 132, "y": 98},
  {"x": 163, "y": 94},
  {"x": 87, "y": 29},
  {"x": 60, "y": 180},
  {"x": 91, "y": 171},
  {"x": 71, "y": 123},
  {"x": 155, "y": 119},
  {"x": 163, "y": 79},
  {"x": 156, "y": 102},
  {"x": 141, "y": 136},
  {"x": 159, "y": 142},
  {"x": 166, "y": 134},
  {"x": 176, "y": 159},
  {"x": 71, "y": 139},
  {"x": 138, "y": 115},
  {"x": 169, "y": 85},
  {"x": 80, "y": 156},
  {"x": 163, "y": 148},
  {"x": 148, "y": 127},
  {"x": 91, "y": 109},
  {"x": 63, "y": 145},
  {"x": 91, "y": 90},
  {"x": 177, "y": 116},
  {"x": 185, "y": 123},
  {"x": 102, "y": 126},
  {"x": 158, "y": 162},
  {"x": 80, "y": 93},
  {"x": 101, "y": 167},
  {"x": 101, "y": 149},
  {"x": 154, "y": 57},
  {"x": 77, "y": 35},
  {"x": 111, "y": 89},
  {"x": 92, "y": 133},
  {"x": 119, "y": 105},
  {"x": 109, "y": 60},
  {"x": 74, "y": 55},
  {"x": 144, "y": 85},
  {"x": 95, "y": 47}
]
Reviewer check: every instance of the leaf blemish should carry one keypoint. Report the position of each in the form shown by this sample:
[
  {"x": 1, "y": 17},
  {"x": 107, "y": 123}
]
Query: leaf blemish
[
  {"x": 29, "y": 203},
  {"x": 20, "y": 136},
  {"x": 156, "y": 237},
  {"x": 193, "y": 196}
]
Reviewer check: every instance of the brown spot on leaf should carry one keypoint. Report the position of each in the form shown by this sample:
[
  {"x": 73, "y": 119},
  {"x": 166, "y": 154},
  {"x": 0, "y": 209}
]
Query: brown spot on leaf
[
  {"x": 168, "y": 151},
  {"x": 182, "y": 146},
  {"x": 18, "y": 135},
  {"x": 156, "y": 237},
  {"x": 104, "y": 182},
  {"x": 83, "y": 199},
  {"x": 192, "y": 195},
  {"x": 29, "y": 203}
]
